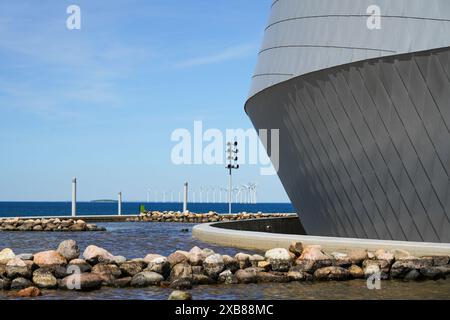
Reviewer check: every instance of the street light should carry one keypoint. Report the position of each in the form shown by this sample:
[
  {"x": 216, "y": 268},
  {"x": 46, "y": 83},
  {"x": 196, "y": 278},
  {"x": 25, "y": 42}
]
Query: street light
[{"x": 232, "y": 158}]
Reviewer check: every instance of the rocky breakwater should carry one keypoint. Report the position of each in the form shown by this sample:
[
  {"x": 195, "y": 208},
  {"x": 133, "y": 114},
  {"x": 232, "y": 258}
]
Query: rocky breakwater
[
  {"x": 190, "y": 217},
  {"x": 65, "y": 268},
  {"x": 53, "y": 224}
]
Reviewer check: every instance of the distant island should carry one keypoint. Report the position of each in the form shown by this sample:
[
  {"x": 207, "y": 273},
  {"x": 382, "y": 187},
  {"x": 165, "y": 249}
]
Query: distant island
[{"x": 104, "y": 201}]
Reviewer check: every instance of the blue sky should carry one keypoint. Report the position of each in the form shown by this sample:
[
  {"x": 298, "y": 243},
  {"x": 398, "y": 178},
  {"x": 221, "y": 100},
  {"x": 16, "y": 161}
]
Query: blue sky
[{"x": 101, "y": 103}]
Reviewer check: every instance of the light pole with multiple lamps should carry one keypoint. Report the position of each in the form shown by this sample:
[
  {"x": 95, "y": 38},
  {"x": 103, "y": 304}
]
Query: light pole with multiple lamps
[{"x": 232, "y": 158}]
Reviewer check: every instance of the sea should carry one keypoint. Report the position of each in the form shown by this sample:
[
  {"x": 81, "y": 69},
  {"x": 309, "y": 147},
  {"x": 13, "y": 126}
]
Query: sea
[{"x": 23, "y": 209}]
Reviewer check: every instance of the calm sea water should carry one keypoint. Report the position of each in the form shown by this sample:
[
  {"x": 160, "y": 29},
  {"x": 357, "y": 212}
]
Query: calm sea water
[
  {"x": 134, "y": 240},
  {"x": 11, "y": 209}
]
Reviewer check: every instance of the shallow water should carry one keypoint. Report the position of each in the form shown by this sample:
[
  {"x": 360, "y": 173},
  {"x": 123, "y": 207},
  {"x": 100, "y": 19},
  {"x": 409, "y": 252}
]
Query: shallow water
[{"x": 134, "y": 240}]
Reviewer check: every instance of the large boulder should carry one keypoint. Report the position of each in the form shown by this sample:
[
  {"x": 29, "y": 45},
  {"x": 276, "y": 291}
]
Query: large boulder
[
  {"x": 159, "y": 265},
  {"x": 196, "y": 256},
  {"x": 231, "y": 263},
  {"x": 131, "y": 268},
  {"x": 18, "y": 268},
  {"x": 401, "y": 268},
  {"x": 94, "y": 255},
  {"x": 243, "y": 260},
  {"x": 82, "y": 282},
  {"x": 81, "y": 264},
  {"x": 331, "y": 273},
  {"x": 181, "y": 270},
  {"x": 246, "y": 276},
  {"x": 273, "y": 276},
  {"x": 180, "y": 295},
  {"x": 227, "y": 277},
  {"x": 146, "y": 278},
  {"x": 178, "y": 257},
  {"x": 357, "y": 256},
  {"x": 20, "y": 283},
  {"x": 108, "y": 271},
  {"x": 6, "y": 255},
  {"x": 279, "y": 259},
  {"x": 69, "y": 249},
  {"x": 214, "y": 265},
  {"x": 44, "y": 279},
  {"x": 49, "y": 258},
  {"x": 313, "y": 258}
]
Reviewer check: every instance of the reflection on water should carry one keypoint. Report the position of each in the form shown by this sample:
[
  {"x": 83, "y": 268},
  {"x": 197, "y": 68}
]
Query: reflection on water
[{"x": 135, "y": 240}]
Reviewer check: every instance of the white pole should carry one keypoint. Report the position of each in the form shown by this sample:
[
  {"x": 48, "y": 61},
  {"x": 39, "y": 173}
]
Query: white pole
[
  {"x": 119, "y": 204},
  {"x": 74, "y": 197},
  {"x": 229, "y": 192},
  {"x": 185, "y": 200}
]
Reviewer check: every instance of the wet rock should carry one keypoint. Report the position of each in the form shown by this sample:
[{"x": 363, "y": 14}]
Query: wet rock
[
  {"x": 297, "y": 274},
  {"x": 181, "y": 284},
  {"x": 332, "y": 273},
  {"x": 255, "y": 259},
  {"x": 402, "y": 267},
  {"x": 25, "y": 256},
  {"x": 122, "y": 282},
  {"x": 17, "y": 268},
  {"x": 146, "y": 278},
  {"x": 341, "y": 260},
  {"x": 20, "y": 283},
  {"x": 44, "y": 279},
  {"x": 69, "y": 249},
  {"x": 178, "y": 257},
  {"x": 412, "y": 275},
  {"x": 180, "y": 295},
  {"x": 49, "y": 258},
  {"x": 200, "y": 279},
  {"x": 82, "y": 282},
  {"x": 227, "y": 277},
  {"x": 214, "y": 265},
  {"x": 277, "y": 277},
  {"x": 181, "y": 270},
  {"x": 159, "y": 265},
  {"x": 30, "y": 292},
  {"x": 5, "y": 284},
  {"x": 81, "y": 264},
  {"x": 231, "y": 263},
  {"x": 108, "y": 272},
  {"x": 431, "y": 273},
  {"x": 243, "y": 259},
  {"x": 357, "y": 256},
  {"x": 296, "y": 248},
  {"x": 246, "y": 276},
  {"x": 313, "y": 258},
  {"x": 6, "y": 255},
  {"x": 196, "y": 256},
  {"x": 279, "y": 259},
  {"x": 130, "y": 268},
  {"x": 356, "y": 272},
  {"x": 93, "y": 255}
]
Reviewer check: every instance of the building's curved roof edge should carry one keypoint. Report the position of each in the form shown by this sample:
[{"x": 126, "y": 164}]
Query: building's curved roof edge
[{"x": 340, "y": 66}]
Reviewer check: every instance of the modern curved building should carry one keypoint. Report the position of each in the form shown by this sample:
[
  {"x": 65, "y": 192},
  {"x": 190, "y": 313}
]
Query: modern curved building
[{"x": 362, "y": 102}]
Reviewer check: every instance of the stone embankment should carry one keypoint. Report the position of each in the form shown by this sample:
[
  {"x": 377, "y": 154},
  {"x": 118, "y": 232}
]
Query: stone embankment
[
  {"x": 63, "y": 268},
  {"x": 189, "y": 217},
  {"x": 53, "y": 224}
]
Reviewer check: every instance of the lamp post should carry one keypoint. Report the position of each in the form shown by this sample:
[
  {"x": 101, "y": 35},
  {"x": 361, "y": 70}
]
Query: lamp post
[
  {"x": 232, "y": 158},
  {"x": 74, "y": 197},
  {"x": 119, "y": 204}
]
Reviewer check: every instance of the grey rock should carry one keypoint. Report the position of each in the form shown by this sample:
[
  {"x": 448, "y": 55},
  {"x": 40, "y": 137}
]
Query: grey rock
[
  {"x": 44, "y": 279},
  {"x": 246, "y": 276},
  {"x": 180, "y": 295},
  {"x": 17, "y": 268},
  {"x": 214, "y": 265},
  {"x": 82, "y": 282},
  {"x": 146, "y": 278},
  {"x": 20, "y": 283},
  {"x": 69, "y": 249},
  {"x": 160, "y": 265},
  {"x": 130, "y": 268},
  {"x": 279, "y": 259},
  {"x": 227, "y": 277},
  {"x": 181, "y": 284},
  {"x": 181, "y": 270}
]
